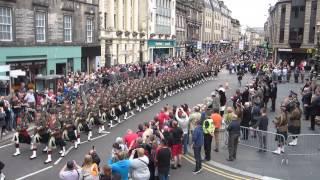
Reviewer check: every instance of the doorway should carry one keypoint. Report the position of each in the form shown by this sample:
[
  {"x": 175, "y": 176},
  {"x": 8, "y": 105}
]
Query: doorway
[{"x": 61, "y": 68}]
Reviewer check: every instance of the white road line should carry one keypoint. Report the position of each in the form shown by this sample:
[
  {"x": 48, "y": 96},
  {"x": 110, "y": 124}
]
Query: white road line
[
  {"x": 34, "y": 173},
  {"x": 6, "y": 145},
  {"x": 57, "y": 161},
  {"x": 98, "y": 137},
  {"x": 71, "y": 147},
  {"x": 82, "y": 142}
]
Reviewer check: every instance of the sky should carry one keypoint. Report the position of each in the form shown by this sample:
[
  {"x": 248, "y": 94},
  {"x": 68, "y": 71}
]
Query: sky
[{"x": 252, "y": 13}]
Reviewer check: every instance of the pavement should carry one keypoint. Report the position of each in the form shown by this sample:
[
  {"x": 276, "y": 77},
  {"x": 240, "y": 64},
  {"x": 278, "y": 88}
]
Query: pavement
[{"x": 249, "y": 164}]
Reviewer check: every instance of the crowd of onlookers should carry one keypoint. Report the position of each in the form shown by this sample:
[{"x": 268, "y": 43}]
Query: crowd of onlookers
[{"x": 24, "y": 98}]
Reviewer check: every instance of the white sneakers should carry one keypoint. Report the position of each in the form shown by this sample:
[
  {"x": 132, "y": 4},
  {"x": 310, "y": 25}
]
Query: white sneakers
[
  {"x": 279, "y": 150},
  {"x": 294, "y": 142}
]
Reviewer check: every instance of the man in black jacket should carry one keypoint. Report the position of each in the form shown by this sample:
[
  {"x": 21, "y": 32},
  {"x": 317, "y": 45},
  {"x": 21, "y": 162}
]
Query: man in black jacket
[
  {"x": 315, "y": 108},
  {"x": 233, "y": 139},
  {"x": 246, "y": 120},
  {"x": 306, "y": 102},
  {"x": 273, "y": 96},
  {"x": 262, "y": 124}
]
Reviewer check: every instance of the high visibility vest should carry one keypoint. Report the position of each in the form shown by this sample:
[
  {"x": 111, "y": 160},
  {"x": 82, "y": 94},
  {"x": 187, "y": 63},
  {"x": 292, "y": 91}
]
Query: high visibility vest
[{"x": 210, "y": 128}]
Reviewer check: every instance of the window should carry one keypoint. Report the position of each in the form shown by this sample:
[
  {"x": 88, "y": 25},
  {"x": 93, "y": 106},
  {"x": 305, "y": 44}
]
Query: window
[
  {"x": 67, "y": 22},
  {"x": 89, "y": 30},
  {"x": 5, "y": 24},
  {"x": 40, "y": 22}
]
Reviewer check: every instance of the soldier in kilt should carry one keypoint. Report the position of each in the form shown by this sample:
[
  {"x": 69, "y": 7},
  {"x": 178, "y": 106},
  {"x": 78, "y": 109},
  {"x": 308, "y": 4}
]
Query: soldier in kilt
[{"x": 21, "y": 135}]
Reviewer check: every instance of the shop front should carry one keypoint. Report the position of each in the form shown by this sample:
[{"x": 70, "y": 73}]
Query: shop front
[
  {"x": 41, "y": 60},
  {"x": 160, "y": 49},
  {"x": 90, "y": 58}
]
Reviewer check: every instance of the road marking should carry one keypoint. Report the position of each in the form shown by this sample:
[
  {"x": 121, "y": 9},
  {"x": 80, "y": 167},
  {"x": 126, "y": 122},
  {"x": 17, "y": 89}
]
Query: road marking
[
  {"x": 98, "y": 137},
  {"x": 57, "y": 161},
  {"x": 215, "y": 170},
  {"x": 34, "y": 173},
  {"x": 6, "y": 145}
]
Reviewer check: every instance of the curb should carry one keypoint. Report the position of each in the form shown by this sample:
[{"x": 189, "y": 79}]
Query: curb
[
  {"x": 234, "y": 170},
  {"x": 240, "y": 172}
]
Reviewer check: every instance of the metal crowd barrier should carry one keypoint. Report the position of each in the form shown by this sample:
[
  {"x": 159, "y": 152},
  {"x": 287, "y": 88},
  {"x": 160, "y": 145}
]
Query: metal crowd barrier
[
  {"x": 303, "y": 145},
  {"x": 261, "y": 140},
  {"x": 253, "y": 138}
]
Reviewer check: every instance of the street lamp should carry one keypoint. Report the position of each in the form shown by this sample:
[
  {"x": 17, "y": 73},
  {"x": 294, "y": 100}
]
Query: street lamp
[{"x": 317, "y": 63}]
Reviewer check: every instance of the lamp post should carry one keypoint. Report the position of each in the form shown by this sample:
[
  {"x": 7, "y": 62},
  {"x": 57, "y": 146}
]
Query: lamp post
[{"x": 317, "y": 63}]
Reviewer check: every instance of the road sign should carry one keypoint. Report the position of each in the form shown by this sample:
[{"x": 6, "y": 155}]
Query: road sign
[
  {"x": 4, "y": 68},
  {"x": 16, "y": 73}
]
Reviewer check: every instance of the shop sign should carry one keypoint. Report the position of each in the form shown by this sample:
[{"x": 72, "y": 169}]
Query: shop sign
[
  {"x": 26, "y": 64},
  {"x": 154, "y": 43},
  {"x": 285, "y": 50},
  {"x": 199, "y": 45}
]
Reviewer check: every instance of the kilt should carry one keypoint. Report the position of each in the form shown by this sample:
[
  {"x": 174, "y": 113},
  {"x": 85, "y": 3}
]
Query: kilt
[
  {"x": 24, "y": 137},
  {"x": 71, "y": 135},
  {"x": 279, "y": 138},
  {"x": 294, "y": 129},
  {"x": 44, "y": 138}
]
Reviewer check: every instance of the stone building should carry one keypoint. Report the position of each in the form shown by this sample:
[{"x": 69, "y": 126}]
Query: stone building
[
  {"x": 225, "y": 23},
  {"x": 181, "y": 27},
  {"x": 194, "y": 23},
  {"x": 291, "y": 29},
  {"x": 216, "y": 23},
  {"x": 49, "y": 36},
  {"x": 161, "y": 25},
  {"x": 122, "y": 36},
  {"x": 207, "y": 26},
  {"x": 235, "y": 33}
]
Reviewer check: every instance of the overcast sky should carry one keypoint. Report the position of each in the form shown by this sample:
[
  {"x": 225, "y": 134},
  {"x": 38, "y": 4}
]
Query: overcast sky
[{"x": 252, "y": 13}]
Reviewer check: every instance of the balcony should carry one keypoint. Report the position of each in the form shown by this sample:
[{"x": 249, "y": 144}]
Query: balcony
[{"x": 44, "y": 3}]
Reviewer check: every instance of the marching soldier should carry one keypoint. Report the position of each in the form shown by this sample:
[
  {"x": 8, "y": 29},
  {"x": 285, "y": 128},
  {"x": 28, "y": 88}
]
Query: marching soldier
[{"x": 21, "y": 135}]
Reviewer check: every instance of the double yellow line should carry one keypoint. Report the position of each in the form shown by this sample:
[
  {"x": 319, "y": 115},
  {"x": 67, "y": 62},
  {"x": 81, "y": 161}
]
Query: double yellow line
[{"x": 222, "y": 173}]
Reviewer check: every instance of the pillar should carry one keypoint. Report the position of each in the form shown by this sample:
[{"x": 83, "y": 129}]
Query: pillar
[
  {"x": 110, "y": 14},
  {"x": 307, "y": 22},
  {"x": 120, "y": 13},
  {"x": 317, "y": 21},
  {"x": 135, "y": 15},
  {"x": 287, "y": 24},
  {"x": 128, "y": 15}
]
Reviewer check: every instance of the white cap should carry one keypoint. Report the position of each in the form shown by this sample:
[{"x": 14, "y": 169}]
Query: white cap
[{"x": 222, "y": 89}]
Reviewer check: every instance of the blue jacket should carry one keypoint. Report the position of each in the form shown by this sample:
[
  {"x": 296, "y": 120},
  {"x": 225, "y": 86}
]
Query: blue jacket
[
  {"x": 120, "y": 167},
  {"x": 197, "y": 136}
]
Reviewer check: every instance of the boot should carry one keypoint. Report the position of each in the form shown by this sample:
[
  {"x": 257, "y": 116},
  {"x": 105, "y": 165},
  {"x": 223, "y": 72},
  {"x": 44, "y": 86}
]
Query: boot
[
  {"x": 45, "y": 149},
  {"x": 49, "y": 160},
  {"x": 277, "y": 151},
  {"x": 294, "y": 142},
  {"x": 125, "y": 116},
  {"x": 282, "y": 149},
  {"x": 76, "y": 145},
  {"x": 17, "y": 153},
  {"x": 63, "y": 151},
  {"x": 78, "y": 141},
  {"x": 89, "y": 135},
  {"x": 34, "y": 154},
  {"x": 99, "y": 130}
]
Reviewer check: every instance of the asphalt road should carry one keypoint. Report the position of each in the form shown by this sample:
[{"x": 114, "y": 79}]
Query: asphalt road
[{"x": 23, "y": 168}]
